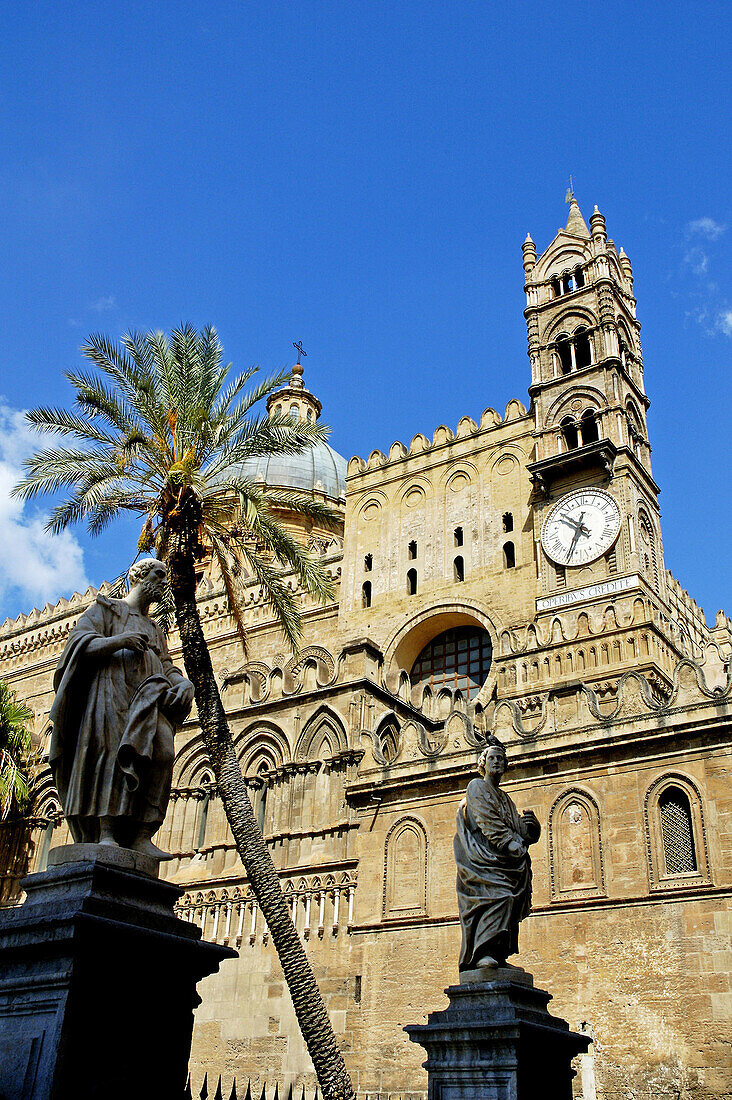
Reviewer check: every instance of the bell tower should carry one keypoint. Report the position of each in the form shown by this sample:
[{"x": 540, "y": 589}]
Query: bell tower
[{"x": 596, "y": 517}]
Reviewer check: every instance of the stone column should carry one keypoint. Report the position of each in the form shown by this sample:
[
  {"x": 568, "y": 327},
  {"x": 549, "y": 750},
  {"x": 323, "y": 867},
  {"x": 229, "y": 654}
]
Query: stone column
[
  {"x": 98, "y": 981},
  {"x": 497, "y": 1041}
]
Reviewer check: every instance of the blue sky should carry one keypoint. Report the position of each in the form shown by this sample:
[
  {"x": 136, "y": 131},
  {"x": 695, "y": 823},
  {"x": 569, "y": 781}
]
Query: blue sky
[{"x": 360, "y": 175}]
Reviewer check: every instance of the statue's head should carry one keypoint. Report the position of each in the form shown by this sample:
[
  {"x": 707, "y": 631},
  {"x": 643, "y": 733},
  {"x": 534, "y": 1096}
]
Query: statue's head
[
  {"x": 150, "y": 575},
  {"x": 493, "y": 761}
]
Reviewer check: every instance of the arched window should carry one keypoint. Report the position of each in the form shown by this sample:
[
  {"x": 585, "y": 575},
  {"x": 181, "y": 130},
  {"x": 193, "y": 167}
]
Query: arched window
[
  {"x": 295, "y": 410},
  {"x": 366, "y": 594},
  {"x": 507, "y": 521},
  {"x": 567, "y": 282},
  {"x": 368, "y": 563},
  {"x": 412, "y": 550},
  {"x": 588, "y": 427},
  {"x": 458, "y": 659},
  {"x": 459, "y": 569},
  {"x": 412, "y": 582},
  {"x": 458, "y": 536},
  {"x": 564, "y": 347},
  {"x": 677, "y": 849},
  {"x": 509, "y": 555},
  {"x": 310, "y": 414},
  {"x": 556, "y": 286},
  {"x": 278, "y": 410},
  {"x": 677, "y": 832},
  {"x": 582, "y": 348},
  {"x": 579, "y": 278},
  {"x": 570, "y": 433}
]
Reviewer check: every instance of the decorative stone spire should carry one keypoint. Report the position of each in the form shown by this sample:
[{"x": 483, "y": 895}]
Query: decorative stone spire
[
  {"x": 599, "y": 232},
  {"x": 626, "y": 268},
  {"x": 529, "y": 250},
  {"x": 575, "y": 221}
]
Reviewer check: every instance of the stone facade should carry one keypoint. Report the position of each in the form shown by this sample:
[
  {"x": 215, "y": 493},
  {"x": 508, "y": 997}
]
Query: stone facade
[{"x": 610, "y": 692}]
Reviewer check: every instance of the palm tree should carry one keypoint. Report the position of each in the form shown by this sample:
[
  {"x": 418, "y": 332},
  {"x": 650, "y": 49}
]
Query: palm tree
[
  {"x": 15, "y": 748},
  {"x": 161, "y": 432}
]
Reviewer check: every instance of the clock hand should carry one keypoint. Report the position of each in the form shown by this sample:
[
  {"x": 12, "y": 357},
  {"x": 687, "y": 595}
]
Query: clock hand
[
  {"x": 576, "y": 526},
  {"x": 577, "y": 534}
]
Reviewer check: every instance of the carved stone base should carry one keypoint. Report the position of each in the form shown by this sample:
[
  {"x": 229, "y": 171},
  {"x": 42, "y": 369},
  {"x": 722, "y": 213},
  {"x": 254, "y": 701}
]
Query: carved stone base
[
  {"x": 497, "y": 1041},
  {"x": 98, "y": 981}
]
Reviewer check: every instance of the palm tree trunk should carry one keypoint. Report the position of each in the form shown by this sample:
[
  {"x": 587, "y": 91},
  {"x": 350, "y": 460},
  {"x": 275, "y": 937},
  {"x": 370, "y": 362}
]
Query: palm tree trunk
[{"x": 312, "y": 1015}]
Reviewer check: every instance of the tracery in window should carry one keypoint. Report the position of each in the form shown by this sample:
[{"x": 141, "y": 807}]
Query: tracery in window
[
  {"x": 677, "y": 832},
  {"x": 458, "y": 659}
]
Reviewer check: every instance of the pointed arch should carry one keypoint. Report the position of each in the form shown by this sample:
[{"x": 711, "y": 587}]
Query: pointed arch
[
  {"x": 676, "y": 839},
  {"x": 323, "y": 736},
  {"x": 261, "y": 741}
]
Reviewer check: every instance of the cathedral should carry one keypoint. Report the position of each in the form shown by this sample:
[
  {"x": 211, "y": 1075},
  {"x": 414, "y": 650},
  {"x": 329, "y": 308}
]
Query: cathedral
[{"x": 505, "y": 577}]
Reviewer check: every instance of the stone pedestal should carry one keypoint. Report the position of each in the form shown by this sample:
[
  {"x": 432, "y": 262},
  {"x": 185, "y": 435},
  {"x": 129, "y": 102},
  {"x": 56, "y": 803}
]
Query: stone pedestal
[
  {"x": 98, "y": 981},
  {"x": 497, "y": 1041}
]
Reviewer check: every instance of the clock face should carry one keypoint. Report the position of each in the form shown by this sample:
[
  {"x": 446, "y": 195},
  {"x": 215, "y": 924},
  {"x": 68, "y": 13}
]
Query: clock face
[{"x": 581, "y": 527}]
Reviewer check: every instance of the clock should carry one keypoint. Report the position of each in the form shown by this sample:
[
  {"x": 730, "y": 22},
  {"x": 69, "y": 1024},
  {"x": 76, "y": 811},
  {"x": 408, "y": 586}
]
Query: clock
[{"x": 581, "y": 527}]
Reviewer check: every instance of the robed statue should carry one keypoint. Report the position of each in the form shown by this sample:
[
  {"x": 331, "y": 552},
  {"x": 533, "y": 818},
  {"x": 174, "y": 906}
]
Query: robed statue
[
  {"x": 118, "y": 700},
  {"x": 493, "y": 865}
]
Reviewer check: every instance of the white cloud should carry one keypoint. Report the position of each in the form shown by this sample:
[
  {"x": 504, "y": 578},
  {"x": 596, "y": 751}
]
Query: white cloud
[
  {"x": 36, "y": 567},
  {"x": 706, "y": 227},
  {"x": 103, "y": 304},
  {"x": 697, "y": 260},
  {"x": 725, "y": 322}
]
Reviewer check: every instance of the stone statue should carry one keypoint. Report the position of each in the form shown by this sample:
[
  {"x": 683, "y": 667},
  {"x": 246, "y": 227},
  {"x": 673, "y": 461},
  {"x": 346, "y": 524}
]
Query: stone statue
[
  {"x": 118, "y": 700},
  {"x": 493, "y": 865}
]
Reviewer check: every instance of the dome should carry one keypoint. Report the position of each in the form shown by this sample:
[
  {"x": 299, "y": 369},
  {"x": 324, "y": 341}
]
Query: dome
[{"x": 319, "y": 469}]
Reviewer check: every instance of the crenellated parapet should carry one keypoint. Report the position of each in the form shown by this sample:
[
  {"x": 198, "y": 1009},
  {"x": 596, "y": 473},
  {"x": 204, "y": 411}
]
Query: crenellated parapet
[{"x": 442, "y": 437}]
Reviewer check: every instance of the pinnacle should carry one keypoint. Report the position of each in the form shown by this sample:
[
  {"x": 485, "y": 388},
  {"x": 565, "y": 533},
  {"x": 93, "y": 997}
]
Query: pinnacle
[{"x": 575, "y": 221}]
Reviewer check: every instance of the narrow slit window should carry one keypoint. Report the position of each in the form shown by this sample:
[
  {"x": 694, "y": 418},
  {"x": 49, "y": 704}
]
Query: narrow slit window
[
  {"x": 458, "y": 536},
  {"x": 507, "y": 521},
  {"x": 509, "y": 555},
  {"x": 412, "y": 582},
  {"x": 459, "y": 569},
  {"x": 368, "y": 563},
  {"x": 262, "y": 807},
  {"x": 412, "y": 551},
  {"x": 366, "y": 594}
]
